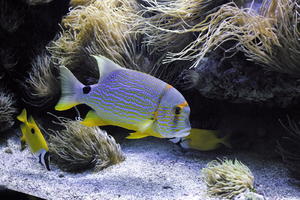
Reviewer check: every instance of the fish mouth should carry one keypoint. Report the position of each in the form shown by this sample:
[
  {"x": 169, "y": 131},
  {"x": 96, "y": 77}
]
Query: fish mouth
[{"x": 183, "y": 133}]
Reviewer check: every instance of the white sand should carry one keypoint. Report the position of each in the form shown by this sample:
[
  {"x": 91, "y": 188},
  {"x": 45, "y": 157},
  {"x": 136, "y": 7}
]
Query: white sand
[{"x": 153, "y": 169}]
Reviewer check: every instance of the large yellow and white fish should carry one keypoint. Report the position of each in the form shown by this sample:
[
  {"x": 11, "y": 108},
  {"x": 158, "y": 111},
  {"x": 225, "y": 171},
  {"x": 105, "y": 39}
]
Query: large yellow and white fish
[
  {"x": 31, "y": 135},
  {"x": 129, "y": 99},
  {"x": 202, "y": 140}
]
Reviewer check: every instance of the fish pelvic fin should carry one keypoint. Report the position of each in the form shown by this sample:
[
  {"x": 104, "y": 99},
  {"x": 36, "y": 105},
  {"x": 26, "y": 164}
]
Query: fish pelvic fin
[
  {"x": 137, "y": 135},
  {"x": 23, "y": 116},
  {"x": 92, "y": 119},
  {"x": 105, "y": 66},
  {"x": 70, "y": 90}
]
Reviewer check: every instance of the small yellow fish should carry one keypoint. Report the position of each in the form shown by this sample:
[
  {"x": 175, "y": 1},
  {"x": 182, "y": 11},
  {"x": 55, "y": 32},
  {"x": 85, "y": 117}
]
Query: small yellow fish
[
  {"x": 32, "y": 135},
  {"x": 203, "y": 140},
  {"x": 128, "y": 99}
]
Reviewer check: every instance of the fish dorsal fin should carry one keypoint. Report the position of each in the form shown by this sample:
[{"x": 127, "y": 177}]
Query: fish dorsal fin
[
  {"x": 31, "y": 121},
  {"x": 23, "y": 116},
  {"x": 106, "y": 66}
]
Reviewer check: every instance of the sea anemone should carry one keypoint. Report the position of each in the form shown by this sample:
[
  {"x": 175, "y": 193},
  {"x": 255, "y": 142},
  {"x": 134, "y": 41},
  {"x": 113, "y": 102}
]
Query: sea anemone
[
  {"x": 268, "y": 38},
  {"x": 75, "y": 3},
  {"x": 42, "y": 84},
  {"x": 227, "y": 178},
  {"x": 8, "y": 110},
  {"x": 77, "y": 147},
  {"x": 97, "y": 28},
  {"x": 166, "y": 22}
]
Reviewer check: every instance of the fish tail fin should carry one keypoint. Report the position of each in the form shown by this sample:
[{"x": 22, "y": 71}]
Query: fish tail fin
[
  {"x": 70, "y": 90},
  {"x": 226, "y": 141},
  {"x": 23, "y": 116},
  {"x": 44, "y": 159}
]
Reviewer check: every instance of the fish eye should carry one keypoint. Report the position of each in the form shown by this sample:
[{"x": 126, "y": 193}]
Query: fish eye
[
  {"x": 32, "y": 130},
  {"x": 177, "y": 110},
  {"x": 86, "y": 89}
]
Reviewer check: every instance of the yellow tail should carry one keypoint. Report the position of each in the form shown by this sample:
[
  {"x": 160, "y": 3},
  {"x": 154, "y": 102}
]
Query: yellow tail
[
  {"x": 226, "y": 141},
  {"x": 23, "y": 116}
]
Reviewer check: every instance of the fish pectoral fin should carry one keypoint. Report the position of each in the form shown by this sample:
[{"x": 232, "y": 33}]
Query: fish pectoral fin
[
  {"x": 92, "y": 119},
  {"x": 137, "y": 135},
  {"x": 145, "y": 125}
]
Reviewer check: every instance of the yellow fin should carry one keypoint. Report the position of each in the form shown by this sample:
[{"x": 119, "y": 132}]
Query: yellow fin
[
  {"x": 92, "y": 119},
  {"x": 226, "y": 141},
  {"x": 137, "y": 135},
  {"x": 23, "y": 116},
  {"x": 63, "y": 105}
]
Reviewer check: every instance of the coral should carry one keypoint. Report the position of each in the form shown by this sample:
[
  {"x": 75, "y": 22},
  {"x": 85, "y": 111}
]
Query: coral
[
  {"x": 42, "y": 85},
  {"x": 8, "y": 110},
  {"x": 289, "y": 150},
  {"x": 77, "y": 147},
  {"x": 227, "y": 178}
]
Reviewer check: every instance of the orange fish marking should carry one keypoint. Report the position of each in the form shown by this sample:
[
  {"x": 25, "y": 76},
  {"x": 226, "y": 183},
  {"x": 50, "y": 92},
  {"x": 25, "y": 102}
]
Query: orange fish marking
[
  {"x": 155, "y": 115},
  {"x": 182, "y": 105},
  {"x": 169, "y": 86}
]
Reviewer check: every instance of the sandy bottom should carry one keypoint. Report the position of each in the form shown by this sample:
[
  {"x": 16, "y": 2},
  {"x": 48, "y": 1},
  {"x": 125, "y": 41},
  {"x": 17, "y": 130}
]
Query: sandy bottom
[{"x": 153, "y": 169}]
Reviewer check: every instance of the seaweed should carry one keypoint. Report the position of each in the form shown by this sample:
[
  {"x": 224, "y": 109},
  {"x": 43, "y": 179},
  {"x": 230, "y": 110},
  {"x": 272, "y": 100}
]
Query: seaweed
[
  {"x": 76, "y": 147},
  {"x": 227, "y": 178}
]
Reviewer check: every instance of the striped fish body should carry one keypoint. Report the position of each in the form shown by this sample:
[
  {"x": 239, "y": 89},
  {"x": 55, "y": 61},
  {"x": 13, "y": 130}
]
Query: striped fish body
[
  {"x": 129, "y": 99},
  {"x": 126, "y": 98}
]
